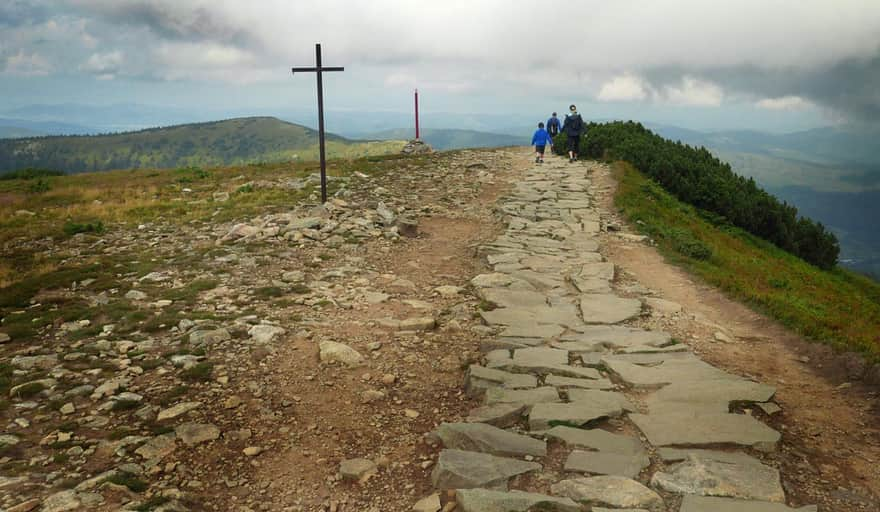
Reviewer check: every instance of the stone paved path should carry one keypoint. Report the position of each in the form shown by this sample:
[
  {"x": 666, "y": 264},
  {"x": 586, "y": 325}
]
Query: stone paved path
[{"x": 564, "y": 362}]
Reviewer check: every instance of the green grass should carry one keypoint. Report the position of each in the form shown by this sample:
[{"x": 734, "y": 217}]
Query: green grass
[
  {"x": 200, "y": 372},
  {"x": 836, "y": 306}
]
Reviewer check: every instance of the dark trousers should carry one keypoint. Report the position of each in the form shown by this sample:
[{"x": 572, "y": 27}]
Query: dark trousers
[{"x": 573, "y": 143}]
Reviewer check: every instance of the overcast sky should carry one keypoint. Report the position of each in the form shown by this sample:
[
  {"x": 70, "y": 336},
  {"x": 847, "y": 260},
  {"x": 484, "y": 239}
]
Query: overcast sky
[{"x": 774, "y": 64}]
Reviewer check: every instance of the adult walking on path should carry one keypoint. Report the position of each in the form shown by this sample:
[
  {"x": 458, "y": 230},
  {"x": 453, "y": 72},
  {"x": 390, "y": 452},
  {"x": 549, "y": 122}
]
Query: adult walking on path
[
  {"x": 554, "y": 125},
  {"x": 573, "y": 128}
]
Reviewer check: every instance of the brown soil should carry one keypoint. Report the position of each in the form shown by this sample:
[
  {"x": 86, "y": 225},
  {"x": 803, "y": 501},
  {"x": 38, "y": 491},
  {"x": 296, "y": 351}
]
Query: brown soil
[{"x": 831, "y": 431}]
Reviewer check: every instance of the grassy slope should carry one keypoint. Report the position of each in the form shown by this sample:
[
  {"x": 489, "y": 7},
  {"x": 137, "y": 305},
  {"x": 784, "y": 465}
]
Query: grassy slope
[
  {"x": 229, "y": 142},
  {"x": 837, "y": 307}
]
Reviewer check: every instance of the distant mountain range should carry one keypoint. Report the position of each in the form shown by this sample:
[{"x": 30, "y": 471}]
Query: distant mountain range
[
  {"x": 443, "y": 139},
  {"x": 233, "y": 141}
]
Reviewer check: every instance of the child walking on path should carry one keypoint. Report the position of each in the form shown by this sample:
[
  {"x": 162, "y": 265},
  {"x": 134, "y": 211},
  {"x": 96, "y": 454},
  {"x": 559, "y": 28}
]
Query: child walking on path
[{"x": 540, "y": 140}]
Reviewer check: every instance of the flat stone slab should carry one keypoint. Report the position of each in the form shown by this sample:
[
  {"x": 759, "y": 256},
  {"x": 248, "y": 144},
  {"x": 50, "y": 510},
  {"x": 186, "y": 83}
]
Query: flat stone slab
[
  {"x": 669, "y": 455},
  {"x": 606, "y": 463},
  {"x": 511, "y": 298},
  {"x": 544, "y": 416},
  {"x": 483, "y": 500},
  {"x": 673, "y": 370},
  {"x": 600, "y": 308},
  {"x": 617, "y": 336},
  {"x": 612, "y": 491},
  {"x": 479, "y": 379},
  {"x": 689, "y": 429},
  {"x": 527, "y": 397},
  {"x": 499, "y": 415},
  {"x": 707, "y": 477},
  {"x": 533, "y": 331},
  {"x": 480, "y": 437},
  {"x": 591, "y": 284},
  {"x": 603, "y": 270},
  {"x": 714, "y": 395},
  {"x": 457, "y": 469},
  {"x": 569, "y": 382},
  {"x": 709, "y": 504},
  {"x": 597, "y": 439},
  {"x": 599, "y": 398}
]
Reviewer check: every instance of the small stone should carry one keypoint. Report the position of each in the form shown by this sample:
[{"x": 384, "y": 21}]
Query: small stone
[
  {"x": 334, "y": 352},
  {"x": 252, "y": 451},
  {"x": 67, "y": 408},
  {"x": 232, "y": 402},
  {"x": 428, "y": 504},
  {"x": 195, "y": 433},
  {"x": 411, "y": 413},
  {"x": 357, "y": 469},
  {"x": 4, "y": 338},
  {"x": 389, "y": 379}
]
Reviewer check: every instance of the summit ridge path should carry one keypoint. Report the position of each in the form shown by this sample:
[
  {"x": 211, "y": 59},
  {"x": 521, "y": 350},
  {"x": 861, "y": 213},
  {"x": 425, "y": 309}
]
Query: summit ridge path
[{"x": 581, "y": 409}]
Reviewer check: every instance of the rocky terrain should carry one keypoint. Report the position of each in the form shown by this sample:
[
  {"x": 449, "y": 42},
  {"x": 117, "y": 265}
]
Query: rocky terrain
[{"x": 449, "y": 336}]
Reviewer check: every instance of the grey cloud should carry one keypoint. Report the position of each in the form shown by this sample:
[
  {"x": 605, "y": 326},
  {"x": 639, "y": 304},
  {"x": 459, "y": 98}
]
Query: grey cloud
[{"x": 14, "y": 13}]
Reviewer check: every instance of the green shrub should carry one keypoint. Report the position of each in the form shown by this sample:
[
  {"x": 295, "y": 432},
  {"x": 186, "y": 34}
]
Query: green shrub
[
  {"x": 129, "y": 480},
  {"x": 38, "y": 187},
  {"x": 29, "y": 174},
  {"x": 200, "y": 372},
  {"x": 72, "y": 228}
]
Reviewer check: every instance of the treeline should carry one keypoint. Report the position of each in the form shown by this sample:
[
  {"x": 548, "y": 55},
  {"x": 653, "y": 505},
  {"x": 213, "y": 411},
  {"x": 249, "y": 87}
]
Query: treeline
[{"x": 697, "y": 177}]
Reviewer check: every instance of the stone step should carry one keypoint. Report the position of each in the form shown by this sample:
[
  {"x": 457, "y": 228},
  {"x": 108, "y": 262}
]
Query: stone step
[{"x": 480, "y": 437}]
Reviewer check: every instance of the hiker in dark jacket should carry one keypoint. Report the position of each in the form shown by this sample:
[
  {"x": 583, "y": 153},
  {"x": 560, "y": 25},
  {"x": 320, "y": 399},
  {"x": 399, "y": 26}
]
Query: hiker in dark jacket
[
  {"x": 573, "y": 128},
  {"x": 554, "y": 125}
]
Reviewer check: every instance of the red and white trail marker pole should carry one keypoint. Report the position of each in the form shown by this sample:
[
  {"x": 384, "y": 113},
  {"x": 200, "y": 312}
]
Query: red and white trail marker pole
[{"x": 417, "y": 114}]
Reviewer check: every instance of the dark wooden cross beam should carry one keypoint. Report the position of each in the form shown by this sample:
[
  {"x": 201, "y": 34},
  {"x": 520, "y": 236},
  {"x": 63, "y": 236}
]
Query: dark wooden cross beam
[{"x": 319, "y": 70}]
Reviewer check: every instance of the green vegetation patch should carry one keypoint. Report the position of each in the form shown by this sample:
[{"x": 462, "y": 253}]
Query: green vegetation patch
[
  {"x": 129, "y": 480},
  {"x": 834, "y": 306},
  {"x": 200, "y": 372},
  {"x": 71, "y": 228}
]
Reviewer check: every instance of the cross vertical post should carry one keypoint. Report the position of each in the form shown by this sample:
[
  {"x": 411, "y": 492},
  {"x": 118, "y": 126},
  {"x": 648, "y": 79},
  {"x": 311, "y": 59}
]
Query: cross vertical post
[{"x": 319, "y": 70}]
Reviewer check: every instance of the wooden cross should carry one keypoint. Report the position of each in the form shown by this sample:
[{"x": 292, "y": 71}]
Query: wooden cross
[{"x": 319, "y": 70}]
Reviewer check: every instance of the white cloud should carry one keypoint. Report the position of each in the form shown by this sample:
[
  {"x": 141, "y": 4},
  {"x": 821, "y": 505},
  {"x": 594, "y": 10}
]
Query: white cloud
[
  {"x": 104, "y": 65},
  {"x": 784, "y": 103},
  {"x": 694, "y": 92},
  {"x": 624, "y": 88},
  {"x": 27, "y": 64}
]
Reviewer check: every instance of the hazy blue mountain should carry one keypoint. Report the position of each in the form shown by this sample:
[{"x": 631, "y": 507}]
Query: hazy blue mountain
[
  {"x": 442, "y": 139},
  {"x": 30, "y": 128}
]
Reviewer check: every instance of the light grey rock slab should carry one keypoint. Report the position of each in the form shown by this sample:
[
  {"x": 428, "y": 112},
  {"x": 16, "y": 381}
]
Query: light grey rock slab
[
  {"x": 711, "y": 395},
  {"x": 335, "y": 352},
  {"x": 603, "y": 270},
  {"x": 600, "y": 308},
  {"x": 711, "y": 504},
  {"x": 533, "y": 331},
  {"x": 669, "y": 455},
  {"x": 657, "y": 375},
  {"x": 648, "y": 349},
  {"x": 597, "y": 439},
  {"x": 707, "y": 477},
  {"x": 480, "y": 437},
  {"x": 499, "y": 415},
  {"x": 480, "y": 378},
  {"x": 539, "y": 280},
  {"x": 590, "y": 284},
  {"x": 617, "y": 336},
  {"x": 769, "y": 408},
  {"x": 587, "y": 383},
  {"x": 357, "y": 469},
  {"x": 483, "y": 500},
  {"x": 546, "y": 415},
  {"x": 689, "y": 429},
  {"x": 457, "y": 469},
  {"x": 606, "y": 463},
  {"x": 510, "y": 317},
  {"x": 527, "y": 397},
  {"x": 608, "y": 490},
  {"x": 499, "y": 280},
  {"x": 195, "y": 433},
  {"x": 511, "y": 298},
  {"x": 601, "y": 398}
]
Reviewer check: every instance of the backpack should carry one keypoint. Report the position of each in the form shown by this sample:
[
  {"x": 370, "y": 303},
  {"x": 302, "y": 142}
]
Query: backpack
[
  {"x": 576, "y": 124},
  {"x": 553, "y": 125}
]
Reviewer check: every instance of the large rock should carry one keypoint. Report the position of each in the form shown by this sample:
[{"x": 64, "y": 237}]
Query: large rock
[
  {"x": 576, "y": 414},
  {"x": 597, "y": 439},
  {"x": 484, "y": 438},
  {"x": 195, "y": 433},
  {"x": 177, "y": 410},
  {"x": 483, "y": 500},
  {"x": 710, "y": 504},
  {"x": 706, "y": 477},
  {"x": 265, "y": 333},
  {"x": 158, "y": 447},
  {"x": 334, "y": 352},
  {"x": 479, "y": 379},
  {"x": 357, "y": 469},
  {"x": 527, "y": 397},
  {"x": 457, "y": 469},
  {"x": 599, "y": 308},
  {"x": 611, "y": 491},
  {"x": 706, "y": 429},
  {"x": 499, "y": 415},
  {"x": 209, "y": 337},
  {"x": 606, "y": 463}
]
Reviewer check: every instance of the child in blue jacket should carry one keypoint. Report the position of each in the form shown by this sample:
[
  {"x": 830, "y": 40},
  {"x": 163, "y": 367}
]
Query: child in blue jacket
[{"x": 540, "y": 140}]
